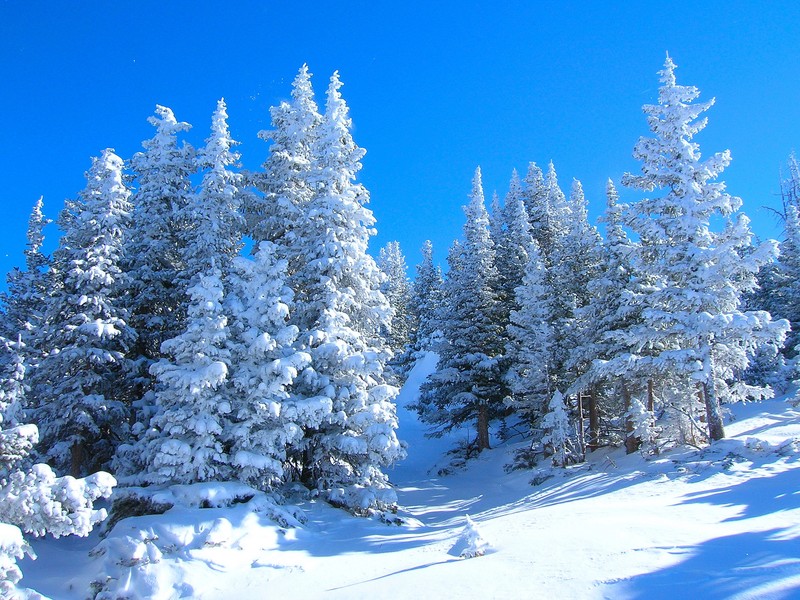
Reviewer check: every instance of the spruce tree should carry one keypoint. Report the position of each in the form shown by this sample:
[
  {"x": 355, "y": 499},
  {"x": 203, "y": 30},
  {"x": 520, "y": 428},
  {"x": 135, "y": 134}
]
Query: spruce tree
[
  {"x": 529, "y": 350},
  {"x": 285, "y": 183},
  {"x": 511, "y": 248},
  {"x": 185, "y": 440},
  {"x": 692, "y": 312},
  {"x": 80, "y": 400},
  {"x": 468, "y": 386},
  {"x": 155, "y": 255},
  {"x": 426, "y": 302},
  {"x": 340, "y": 311},
  {"x": 397, "y": 290},
  {"x": 27, "y": 291},
  {"x": 266, "y": 418},
  {"x": 214, "y": 225}
]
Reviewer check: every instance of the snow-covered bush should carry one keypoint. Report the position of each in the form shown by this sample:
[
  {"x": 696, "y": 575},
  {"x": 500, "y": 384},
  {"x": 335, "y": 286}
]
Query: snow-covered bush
[{"x": 12, "y": 547}]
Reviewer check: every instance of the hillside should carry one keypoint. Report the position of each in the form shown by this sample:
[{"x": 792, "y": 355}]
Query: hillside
[{"x": 722, "y": 522}]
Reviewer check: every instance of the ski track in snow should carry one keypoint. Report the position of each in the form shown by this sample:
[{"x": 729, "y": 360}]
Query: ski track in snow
[{"x": 720, "y": 523}]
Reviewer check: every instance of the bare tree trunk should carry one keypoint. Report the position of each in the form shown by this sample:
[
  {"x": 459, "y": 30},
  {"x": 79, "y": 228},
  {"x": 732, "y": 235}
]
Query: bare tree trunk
[
  {"x": 594, "y": 420},
  {"x": 581, "y": 429},
  {"x": 716, "y": 429},
  {"x": 76, "y": 459},
  {"x": 651, "y": 401},
  {"x": 483, "y": 427},
  {"x": 631, "y": 441}
]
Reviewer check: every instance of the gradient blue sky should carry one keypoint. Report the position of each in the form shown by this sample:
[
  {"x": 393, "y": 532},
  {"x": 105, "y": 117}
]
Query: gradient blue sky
[{"x": 435, "y": 89}]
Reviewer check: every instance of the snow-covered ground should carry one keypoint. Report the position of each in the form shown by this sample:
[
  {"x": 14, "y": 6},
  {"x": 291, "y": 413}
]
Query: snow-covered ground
[{"x": 723, "y": 522}]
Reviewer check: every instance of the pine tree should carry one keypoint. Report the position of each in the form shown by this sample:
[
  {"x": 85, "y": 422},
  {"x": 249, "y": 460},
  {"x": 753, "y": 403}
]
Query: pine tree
[
  {"x": 340, "y": 312},
  {"x": 511, "y": 248},
  {"x": 557, "y": 438},
  {"x": 214, "y": 225},
  {"x": 27, "y": 290},
  {"x": 692, "y": 312},
  {"x": 529, "y": 349},
  {"x": 397, "y": 290},
  {"x": 468, "y": 387},
  {"x": 535, "y": 198},
  {"x": 185, "y": 441},
  {"x": 24, "y": 303},
  {"x": 426, "y": 302},
  {"x": 79, "y": 394},
  {"x": 155, "y": 255},
  {"x": 607, "y": 312},
  {"x": 285, "y": 180},
  {"x": 266, "y": 418}
]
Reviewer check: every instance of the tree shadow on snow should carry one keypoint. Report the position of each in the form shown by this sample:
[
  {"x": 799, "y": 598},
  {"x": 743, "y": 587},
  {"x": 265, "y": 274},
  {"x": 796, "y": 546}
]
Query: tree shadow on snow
[
  {"x": 762, "y": 564},
  {"x": 761, "y": 494}
]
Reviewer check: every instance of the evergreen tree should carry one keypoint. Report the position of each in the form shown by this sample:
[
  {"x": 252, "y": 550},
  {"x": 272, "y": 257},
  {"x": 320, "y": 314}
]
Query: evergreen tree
[
  {"x": 155, "y": 255},
  {"x": 340, "y": 312},
  {"x": 426, "y": 301},
  {"x": 468, "y": 387},
  {"x": 693, "y": 320},
  {"x": 535, "y": 198},
  {"x": 266, "y": 418},
  {"x": 607, "y": 312},
  {"x": 511, "y": 248},
  {"x": 27, "y": 290},
  {"x": 12, "y": 384},
  {"x": 80, "y": 399},
  {"x": 397, "y": 290},
  {"x": 530, "y": 347},
  {"x": 285, "y": 181},
  {"x": 185, "y": 441},
  {"x": 557, "y": 438},
  {"x": 214, "y": 225}
]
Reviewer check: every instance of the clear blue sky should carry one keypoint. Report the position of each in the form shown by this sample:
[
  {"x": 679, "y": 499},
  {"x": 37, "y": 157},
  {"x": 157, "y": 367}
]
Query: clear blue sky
[{"x": 435, "y": 88}]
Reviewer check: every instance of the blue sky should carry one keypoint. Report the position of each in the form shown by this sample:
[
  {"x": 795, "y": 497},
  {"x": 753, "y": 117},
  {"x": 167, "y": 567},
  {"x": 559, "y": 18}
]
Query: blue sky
[{"x": 435, "y": 89}]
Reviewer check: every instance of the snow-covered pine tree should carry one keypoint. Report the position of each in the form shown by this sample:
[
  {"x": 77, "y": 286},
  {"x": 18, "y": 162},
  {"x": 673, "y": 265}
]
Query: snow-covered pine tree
[
  {"x": 535, "y": 198},
  {"x": 575, "y": 263},
  {"x": 285, "y": 179},
  {"x": 511, "y": 242},
  {"x": 265, "y": 416},
  {"x": 213, "y": 224},
  {"x": 185, "y": 441},
  {"x": 558, "y": 436},
  {"x": 467, "y": 387},
  {"x": 426, "y": 302},
  {"x": 154, "y": 256},
  {"x": 692, "y": 313},
  {"x": 23, "y": 303},
  {"x": 340, "y": 312},
  {"x": 529, "y": 349},
  {"x": 80, "y": 399},
  {"x": 397, "y": 290},
  {"x": 607, "y": 312}
]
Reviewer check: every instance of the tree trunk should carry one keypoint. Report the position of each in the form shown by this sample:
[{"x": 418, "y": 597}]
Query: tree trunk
[
  {"x": 483, "y": 427},
  {"x": 76, "y": 459},
  {"x": 631, "y": 441},
  {"x": 651, "y": 401},
  {"x": 716, "y": 429},
  {"x": 581, "y": 429},
  {"x": 594, "y": 420}
]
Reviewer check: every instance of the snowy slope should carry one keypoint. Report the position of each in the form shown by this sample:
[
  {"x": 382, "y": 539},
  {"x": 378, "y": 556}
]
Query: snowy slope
[{"x": 719, "y": 523}]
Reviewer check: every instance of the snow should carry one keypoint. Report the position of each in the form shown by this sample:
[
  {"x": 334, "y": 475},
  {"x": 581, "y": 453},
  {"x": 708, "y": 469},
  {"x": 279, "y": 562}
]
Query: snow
[{"x": 722, "y": 522}]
